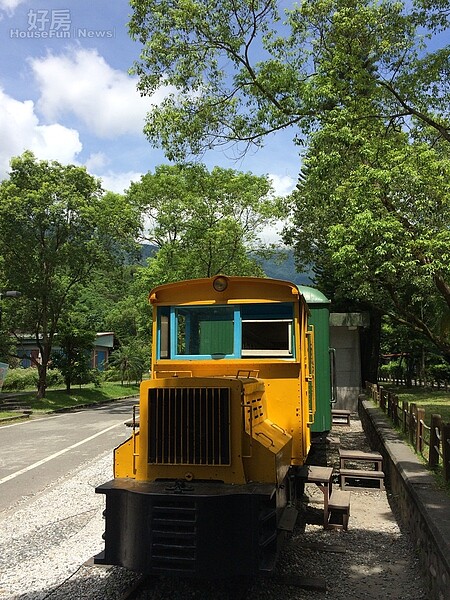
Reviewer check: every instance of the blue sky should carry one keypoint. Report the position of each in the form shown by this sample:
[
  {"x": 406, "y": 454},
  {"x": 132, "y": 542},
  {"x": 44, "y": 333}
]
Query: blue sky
[{"x": 65, "y": 94}]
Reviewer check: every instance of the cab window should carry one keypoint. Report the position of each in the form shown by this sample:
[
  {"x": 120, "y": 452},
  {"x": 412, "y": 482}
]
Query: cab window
[
  {"x": 203, "y": 331},
  {"x": 267, "y": 330},
  {"x": 232, "y": 331}
]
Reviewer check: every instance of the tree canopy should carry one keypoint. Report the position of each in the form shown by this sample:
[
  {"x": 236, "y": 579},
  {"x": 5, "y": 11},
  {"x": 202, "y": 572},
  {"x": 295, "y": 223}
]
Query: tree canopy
[
  {"x": 364, "y": 87},
  {"x": 56, "y": 227},
  {"x": 203, "y": 223},
  {"x": 374, "y": 212},
  {"x": 235, "y": 71}
]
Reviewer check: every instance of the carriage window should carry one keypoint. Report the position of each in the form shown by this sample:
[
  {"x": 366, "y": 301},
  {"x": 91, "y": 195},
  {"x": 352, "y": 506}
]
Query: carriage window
[{"x": 204, "y": 331}]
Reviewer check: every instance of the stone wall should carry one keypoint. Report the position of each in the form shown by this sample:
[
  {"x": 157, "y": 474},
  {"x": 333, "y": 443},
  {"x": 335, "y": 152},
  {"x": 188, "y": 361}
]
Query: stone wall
[{"x": 419, "y": 504}]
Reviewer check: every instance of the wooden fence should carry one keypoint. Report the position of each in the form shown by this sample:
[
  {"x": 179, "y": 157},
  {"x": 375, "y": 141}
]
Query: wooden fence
[
  {"x": 400, "y": 380},
  {"x": 432, "y": 440}
]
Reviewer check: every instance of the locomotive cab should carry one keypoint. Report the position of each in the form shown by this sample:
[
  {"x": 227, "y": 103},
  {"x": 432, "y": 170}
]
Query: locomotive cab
[{"x": 203, "y": 486}]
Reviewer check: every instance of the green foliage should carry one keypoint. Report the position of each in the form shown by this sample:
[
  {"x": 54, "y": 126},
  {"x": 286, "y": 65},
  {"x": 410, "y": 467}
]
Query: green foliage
[
  {"x": 75, "y": 342},
  {"x": 59, "y": 219},
  {"x": 237, "y": 71},
  {"x": 130, "y": 316},
  {"x": 21, "y": 379},
  {"x": 185, "y": 46},
  {"x": 7, "y": 348},
  {"x": 132, "y": 361},
  {"x": 439, "y": 372},
  {"x": 379, "y": 221},
  {"x": 202, "y": 223},
  {"x": 394, "y": 370},
  {"x": 357, "y": 82},
  {"x": 111, "y": 374}
]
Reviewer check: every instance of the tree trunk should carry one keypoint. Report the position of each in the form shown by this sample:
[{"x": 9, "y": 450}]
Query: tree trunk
[
  {"x": 42, "y": 370},
  {"x": 42, "y": 382}
]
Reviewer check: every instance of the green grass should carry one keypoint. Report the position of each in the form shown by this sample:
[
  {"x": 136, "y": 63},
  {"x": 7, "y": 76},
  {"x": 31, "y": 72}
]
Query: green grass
[
  {"x": 435, "y": 402},
  {"x": 4, "y": 415},
  {"x": 88, "y": 394}
]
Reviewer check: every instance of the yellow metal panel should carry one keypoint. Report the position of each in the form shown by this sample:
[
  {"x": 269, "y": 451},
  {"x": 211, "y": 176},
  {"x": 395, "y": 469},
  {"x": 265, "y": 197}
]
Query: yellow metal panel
[
  {"x": 270, "y": 454},
  {"x": 172, "y": 468},
  {"x": 286, "y": 379},
  {"x": 240, "y": 290},
  {"x": 124, "y": 457}
]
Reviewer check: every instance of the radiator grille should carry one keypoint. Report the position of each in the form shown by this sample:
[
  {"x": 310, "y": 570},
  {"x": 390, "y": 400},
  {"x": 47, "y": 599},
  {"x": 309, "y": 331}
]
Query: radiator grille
[{"x": 189, "y": 426}]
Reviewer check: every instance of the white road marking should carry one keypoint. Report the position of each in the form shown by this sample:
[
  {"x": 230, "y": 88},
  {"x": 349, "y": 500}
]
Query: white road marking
[
  {"x": 28, "y": 422},
  {"x": 44, "y": 460}
]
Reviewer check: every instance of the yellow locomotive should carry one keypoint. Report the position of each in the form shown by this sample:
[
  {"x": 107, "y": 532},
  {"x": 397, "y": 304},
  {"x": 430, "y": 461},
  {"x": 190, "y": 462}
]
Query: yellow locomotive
[{"x": 205, "y": 485}]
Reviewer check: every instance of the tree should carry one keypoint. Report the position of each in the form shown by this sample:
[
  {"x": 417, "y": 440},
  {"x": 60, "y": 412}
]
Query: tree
[
  {"x": 357, "y": 84},
  {"x": 375, "y": 209},
  {"x": 115, "y": 301},
  {"x": 75, "y": 340},
  {"x": 236, "y": 71},
  {"x": 201, "y": 222},
  {"x": 131, "y": 360},
  {"x": 56, "y": 227}
]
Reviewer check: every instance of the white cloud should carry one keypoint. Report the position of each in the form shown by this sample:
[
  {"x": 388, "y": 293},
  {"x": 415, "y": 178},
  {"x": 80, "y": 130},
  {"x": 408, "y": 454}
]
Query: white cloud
[
  {"x": 111, "y": 181},
  {"x": 20, "y": 130},
  {"x": 98, "y": 160},
  {"x": 118, "y": 182},
  {"x": 81, "y": 82},
  {"x": 282, "y": 184},
  {"x": 56, "y": 142},
  {"x": 10, "y": 5}
]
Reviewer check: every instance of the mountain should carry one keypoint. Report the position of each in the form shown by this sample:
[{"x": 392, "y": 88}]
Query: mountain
[{"x": 281, "y": 266}]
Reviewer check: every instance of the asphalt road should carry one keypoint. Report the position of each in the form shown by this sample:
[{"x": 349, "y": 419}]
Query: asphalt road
[{"x": 37, "y": 452}]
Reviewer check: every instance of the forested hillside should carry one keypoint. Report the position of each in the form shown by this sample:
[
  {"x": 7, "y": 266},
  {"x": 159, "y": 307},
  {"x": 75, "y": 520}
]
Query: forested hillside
[{"x": 281, "y": 266}]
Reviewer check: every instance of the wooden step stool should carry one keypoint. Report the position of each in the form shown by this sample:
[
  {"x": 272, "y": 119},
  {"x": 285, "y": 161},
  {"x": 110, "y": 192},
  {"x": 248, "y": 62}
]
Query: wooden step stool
[
  {"x": 340, "y": 416},
  {"x": 358, "y": 455},
  {"x": 338, "y": 510},
  {"x": 347, "y": 476}
]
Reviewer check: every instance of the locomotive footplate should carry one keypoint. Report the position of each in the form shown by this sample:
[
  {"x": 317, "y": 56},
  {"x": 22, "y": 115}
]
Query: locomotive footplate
[{"x": 202, "y": 529}]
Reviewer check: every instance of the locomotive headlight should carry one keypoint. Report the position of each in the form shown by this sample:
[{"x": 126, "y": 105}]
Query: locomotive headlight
[{"x": 220, "y": 283}]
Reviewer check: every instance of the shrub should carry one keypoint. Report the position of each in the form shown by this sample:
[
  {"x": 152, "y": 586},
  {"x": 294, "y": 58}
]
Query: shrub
[
  {"x": 397, "y": 369},
  {"x": 439, "y": 373},
  {"x": 394, "y": 370},
  {"x": 111, "y": 374},
  {"x": 54, "y": 378},
  {"x": 21, "y": 379}
]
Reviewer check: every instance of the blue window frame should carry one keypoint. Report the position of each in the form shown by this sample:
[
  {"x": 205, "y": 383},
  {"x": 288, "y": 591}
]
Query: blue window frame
[
  {"x": 201, "y": 332},
  {"x": 226, "y": 331}
]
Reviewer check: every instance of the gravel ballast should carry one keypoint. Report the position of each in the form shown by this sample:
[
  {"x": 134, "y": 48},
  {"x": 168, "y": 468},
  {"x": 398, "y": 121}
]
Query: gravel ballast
[{"x": 45, "y": 542}]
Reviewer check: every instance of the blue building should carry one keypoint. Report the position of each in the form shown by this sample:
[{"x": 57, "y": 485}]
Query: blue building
[{"x": 29, "y": 352}]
